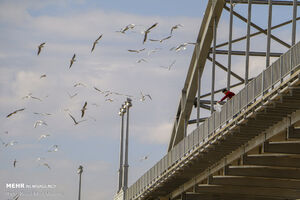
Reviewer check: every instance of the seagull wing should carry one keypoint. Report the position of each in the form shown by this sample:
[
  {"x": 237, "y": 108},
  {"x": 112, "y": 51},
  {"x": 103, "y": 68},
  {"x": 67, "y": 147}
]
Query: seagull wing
[
  {"x": 93, "y": 46},
  {"x": 73, "y": 119},
  {"x": 15, "y": 112},
  {"x": 166, "y": 38},
  {"x": 145, "y": 37},
  {"x": 154, "y": 40},
  {"x": 83, "y": 109},
  {"x": 99, "y": 38},
  {"x": 131, "y": 50},
  {"x": 148, "y": 95},
  {"x": 151, "y": 27},
  {"x": 39, "y": 50}
]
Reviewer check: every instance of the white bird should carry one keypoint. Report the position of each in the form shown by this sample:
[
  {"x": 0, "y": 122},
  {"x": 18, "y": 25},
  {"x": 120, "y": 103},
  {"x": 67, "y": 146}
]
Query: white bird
[
  {"x": 72, "y": 96},
  {"x": 40, "y": 159},
  {"x": 32, "y": 97},
  {"x": 110, "y": 100},
  {"x": 74, "y": 120},
  {"x": 47, "y": 165},
  {"x": 40, "y": 48},
  {"x": 96, "y": 41},
  {"x": 15, "y": 162},
  {"x": 136, "y": 51},
  {"x": 43, "y": 76},
  {"x": 43, "y": 136},
  {"x": 19, "y": 110},
  {"x": 79, "y": 84},
  {"x": 83, "y": 109},
  {"x": 141, "y": 60},
  {"x": 161, "y": 40},
  {"x": 10, "y": 143},
  {"x": 16, "y": 197},
  {"x": 143, "y": 97},
  {"x": 72, "y": 60},
  {"x": 44, "y": 114},
  {"x": 129, "y": 26},
  {"x": 153, "y": 51},
  {"x": 148, "y": 31},
  {"x": 175, "y": 27},
  {"x": 53, "y": 148},
  {"x": 39, "y": 123},
  {"x": 182, "y": 46},
  {"x": 144, "y": 158},
  {"x": 169, "y": 67}
]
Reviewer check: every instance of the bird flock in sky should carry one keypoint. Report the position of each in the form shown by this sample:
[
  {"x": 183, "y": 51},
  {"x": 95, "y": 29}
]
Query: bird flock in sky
[{"x": 107, "y": 94}]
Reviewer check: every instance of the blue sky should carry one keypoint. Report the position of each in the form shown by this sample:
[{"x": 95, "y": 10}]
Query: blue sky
[{"x": 70, "y": 27}]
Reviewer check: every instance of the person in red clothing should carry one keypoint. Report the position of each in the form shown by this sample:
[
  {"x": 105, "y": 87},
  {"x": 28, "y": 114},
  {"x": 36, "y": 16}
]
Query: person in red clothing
[{"x": 228, "y": 95}]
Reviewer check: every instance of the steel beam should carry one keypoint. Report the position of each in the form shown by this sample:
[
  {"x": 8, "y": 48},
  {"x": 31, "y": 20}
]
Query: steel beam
[
  {"x": 257, "y": 33},
  {"x": 248, "y": 42},
  {"x": 243, "y": 53},
  {"x": 226, "y": 69},
  {"x": 269, "y": 34},
  {"x": 258, "y": 28},
  {"x": 265, "y": 2},
  {"x": 213, "y": 11}
]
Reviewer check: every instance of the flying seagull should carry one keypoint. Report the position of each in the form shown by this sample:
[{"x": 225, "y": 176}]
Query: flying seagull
[
  {"x": 15, "y": 162},
  {"x": 72, "y": 96},
  {"x": 44, "y": 136},
  {"x": 129, "y": 26},
  {"x": 168, "y": 68},
  {"x": 175, "y": 27},
  {"x": 32, "y": 97},
  {"x": 16, "y": 197},
  {"x": 148, "y": 31},
  {"x": 144, "y": 158},
  {"x": 19, "y": 110},
  {"x": 136, "y": 51},
  {"x": 39, "y": 123},
  {"x": 72, "y": 60},
  {"x": 161, "y": 40},
  {"x": 53, "y": 148},
  {"x": 44, "y": 114},
  {"x": 143, "y": 97},
  {"x": 79, "y": 84},
  {"x": 182, "y": 46},
  {"x": 43, "y": 76},
  {"x": 153, "y": 51},
  {"x": 11, "y": 143},
  {"x": 40, "y": 48},
  {"x": 75, "y": 122},
  {"x": 83, "y": 109},
  {"x": 110, "y": 100},
  {"x": 98, "y": 90},
  {"x": 96, "y": 41},
  {"x": 47, "y": 165},
  {"x": 141, "y": 60}
]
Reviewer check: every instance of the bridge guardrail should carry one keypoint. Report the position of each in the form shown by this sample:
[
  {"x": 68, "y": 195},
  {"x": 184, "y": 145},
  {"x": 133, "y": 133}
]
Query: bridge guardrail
[{"x": 255, "y": 89}]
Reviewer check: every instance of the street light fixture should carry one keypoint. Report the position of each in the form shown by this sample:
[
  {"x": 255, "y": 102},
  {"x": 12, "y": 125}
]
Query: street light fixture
[{"x": 79, "y": 171}]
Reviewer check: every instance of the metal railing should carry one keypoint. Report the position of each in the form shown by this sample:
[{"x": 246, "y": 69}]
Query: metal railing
[{"x": 254, "y": 90}]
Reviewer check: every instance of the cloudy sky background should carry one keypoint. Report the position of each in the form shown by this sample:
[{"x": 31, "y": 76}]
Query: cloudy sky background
[{"x": 70, "y": 27}]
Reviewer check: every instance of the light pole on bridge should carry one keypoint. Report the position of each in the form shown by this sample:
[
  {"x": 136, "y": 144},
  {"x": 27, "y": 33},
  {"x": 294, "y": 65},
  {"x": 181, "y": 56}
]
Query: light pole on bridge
[
  {"x": 79, "y": 171},
  {"x": 127, "y": 105},
  {"x": 121, "y": 113}
]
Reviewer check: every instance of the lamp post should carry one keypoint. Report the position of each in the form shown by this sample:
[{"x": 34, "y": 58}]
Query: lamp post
[
  {"x": 127, "y": 105},
  {"x": 121, "y": 113},
  {"x": 79, "y": 171}
]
